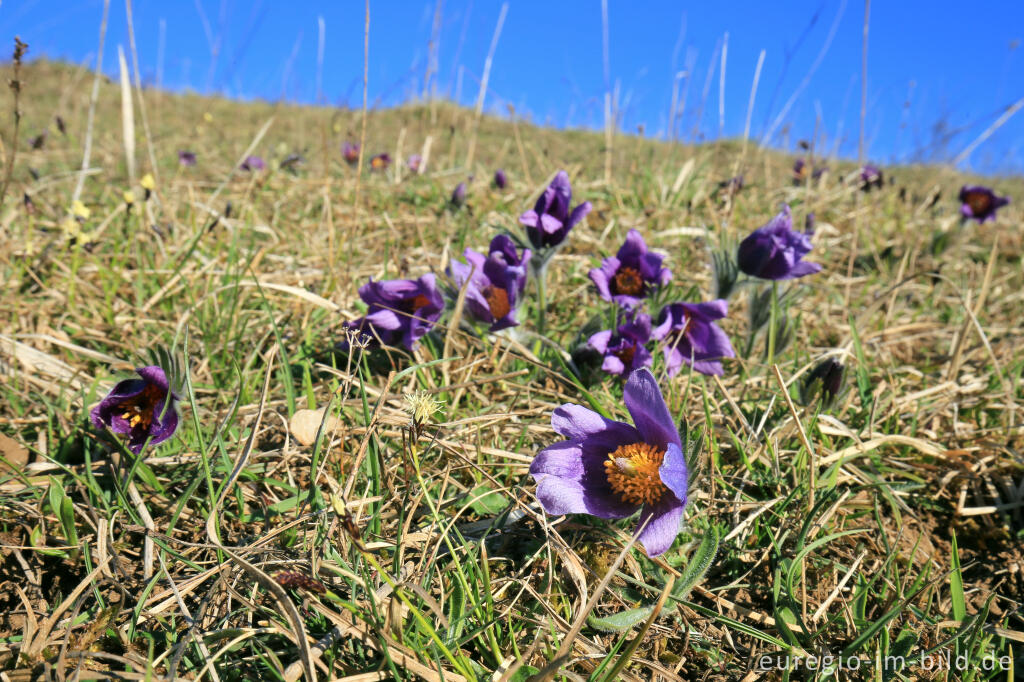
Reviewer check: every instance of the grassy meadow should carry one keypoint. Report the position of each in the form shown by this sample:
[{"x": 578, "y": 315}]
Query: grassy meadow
[{"x": 300, "y": 524}]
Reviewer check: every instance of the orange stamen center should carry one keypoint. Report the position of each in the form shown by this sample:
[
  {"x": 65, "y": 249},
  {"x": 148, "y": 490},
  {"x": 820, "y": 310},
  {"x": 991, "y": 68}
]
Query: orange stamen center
[
  {"x": 626, "y": 354},
  {"x": 497, "y": 301},
  {"x": 979, "y": 202},
  {"x": 411, "y": 305},
  {"x": 139, "y": 409},
  {"x": 628, "y": 281},
  {"x": 632, "y": 472}
]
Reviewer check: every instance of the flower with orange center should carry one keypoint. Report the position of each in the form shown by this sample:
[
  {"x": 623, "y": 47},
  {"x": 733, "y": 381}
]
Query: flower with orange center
[
  {"x": 632, "y": 274},
  {"x": 624, "y": 350},
  {"x": 496, "y": 282},
  {"x": 980, "y": 203},
  {"x": 612, "y": 469},
  {"x": 689, "y": 335},
  {"x": 143, "y": 409},
  {"x": 399, "y": 310}
]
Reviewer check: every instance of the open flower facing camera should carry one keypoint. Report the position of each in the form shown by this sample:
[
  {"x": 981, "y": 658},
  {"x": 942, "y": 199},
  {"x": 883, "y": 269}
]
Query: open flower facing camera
[
  {"x": 144, "y": 409},
  {"x": 611, "y": 469}
]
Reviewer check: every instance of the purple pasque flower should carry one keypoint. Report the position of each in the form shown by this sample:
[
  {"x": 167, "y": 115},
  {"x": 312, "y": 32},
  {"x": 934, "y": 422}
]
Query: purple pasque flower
[
  {"x": 631, "y": 275},
  {"x": 774, "y": 250},
  {"x": 186, "y": 158},
  {"x": 689, "y": 335},
  {"x": 380, "y": 162},
  {"x": 500, "y": 179},
  {"x": 400, "y": 310},
  {"x": 459, "y": 195},
  {"x": 414, "y": 163},
  {"x": 496, "y": 282},
  {"x": 611, "y": 469},
  {"x": 550, "y": 220},
  {"x": 732, "y": 185},
  {"x": 624, "y": 348},
  {"x": 980, "y": 203},
  {"x": 253, "y": 163},
  {"x": 144, "y": 409},
  {"x": 350, "y": 152},
  {"x": 870, "y": 176},
  {"x": 800, "y": 170}
]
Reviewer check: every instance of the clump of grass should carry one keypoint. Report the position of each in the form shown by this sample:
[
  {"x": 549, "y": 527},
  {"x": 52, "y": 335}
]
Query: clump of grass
[{"x": 883, "y": 528}]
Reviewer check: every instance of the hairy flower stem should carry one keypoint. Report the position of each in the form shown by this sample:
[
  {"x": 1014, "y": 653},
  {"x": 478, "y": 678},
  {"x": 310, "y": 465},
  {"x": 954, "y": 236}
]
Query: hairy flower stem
[
  {"x": 773, "y": 316},
  {"x": 541, "y": 274}
]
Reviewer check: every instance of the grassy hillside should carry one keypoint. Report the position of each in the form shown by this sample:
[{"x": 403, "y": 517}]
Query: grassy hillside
[{"x": 265, "y": 542}]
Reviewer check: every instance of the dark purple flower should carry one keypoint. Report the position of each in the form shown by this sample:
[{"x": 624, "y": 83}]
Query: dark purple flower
[
  {"x": 549, "y": 222},
  {"x": 399, "y": 309},
  {"x": 826, "y": 379},
  {"x": 774, "y": 250},
  {"x": 500, "y": 179},
  {"x": 980, "y": 202},
  {"x": 819, "y": 171},
  {"x": 611, "y": 469},
  {"x": 253, "y": 163},
  {"x": 870, "y": 176},
  {"x": 38, "y": 141},
  {"x": 800, "y": 171},
  {"x": 414, "y": 163},
  {"x": 380, "y": 162},
  {"x": 732, "y": 185},
  {"x": 624, "y": 349},
  {"x": 459, "y": 195},
  {"x": 688, "y": 334},
  {"x": 496, "y": 284},
  {"x": 632, "y": 274},
  {"x": 143, "y": 409},
  {"x": 186, "y": 158},
  {"x": 350, "y": 152}
]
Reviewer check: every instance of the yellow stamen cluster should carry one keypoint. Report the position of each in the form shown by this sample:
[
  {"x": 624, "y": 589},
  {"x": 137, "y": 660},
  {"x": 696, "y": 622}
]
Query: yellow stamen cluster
[
  {"x": 140, "y": 409},
  {"x": 632, "y": 472}
]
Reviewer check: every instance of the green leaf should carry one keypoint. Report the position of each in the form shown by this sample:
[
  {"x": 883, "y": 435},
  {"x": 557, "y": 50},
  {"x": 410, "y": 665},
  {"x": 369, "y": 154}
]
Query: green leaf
[
  {"x": 523, "y": 674},
  {"x": 486, "y": 502},
  {"x": 699, "y": 564},
  {"x": 956, "y": 583},
  {"x": 621, "y": 621}
]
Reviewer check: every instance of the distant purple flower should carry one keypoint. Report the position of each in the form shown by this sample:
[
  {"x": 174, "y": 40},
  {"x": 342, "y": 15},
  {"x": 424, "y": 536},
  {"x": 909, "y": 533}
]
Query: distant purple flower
[
  {"x": 414, "y": 163},
  {"x": 611, "y": 469},
  {"x": 253, "y": 163},
  {"x": 496, "y": 284},
  {"x": 459, "y": 195},
  {"x": 774, "y": 250},
  {"x": 689, "y": 335},
  {"x": 500, "y": 179},
  {"x": 38, "y": 141},
  {"x": 800, "y": 170},
  {"x": 186, "y": 158},
  {"x": 810, "y": 221},
  {"x": 400, "y": 310},
  {"x": 632, "y": 274},
  {"x": 624, "y": 349},
  {"x": 819, "y": 171},
  {"x": 548, "y": 224},
  {"x": 980, "y": 203},
  {"x": 380, "y": 162},
  {"x": 870, "y": 176},
  {"x": 732, "y": 185},
  {"x": 144, "y": 409},
  {"x": 350, "y": 152}
]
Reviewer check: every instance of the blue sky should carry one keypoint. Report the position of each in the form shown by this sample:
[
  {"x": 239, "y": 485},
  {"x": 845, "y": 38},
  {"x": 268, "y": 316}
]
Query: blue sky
[{"x": 939, "y": 72}]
